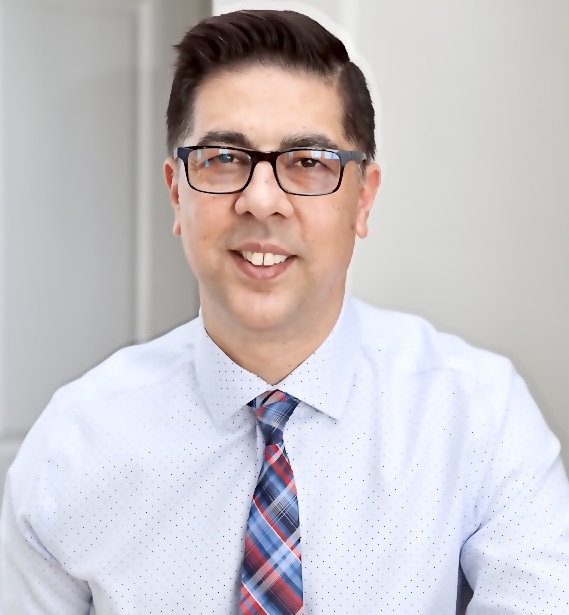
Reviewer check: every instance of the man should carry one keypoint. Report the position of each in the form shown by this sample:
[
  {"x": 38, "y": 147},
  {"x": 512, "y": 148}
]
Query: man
[{"x": 291, "y": 450}]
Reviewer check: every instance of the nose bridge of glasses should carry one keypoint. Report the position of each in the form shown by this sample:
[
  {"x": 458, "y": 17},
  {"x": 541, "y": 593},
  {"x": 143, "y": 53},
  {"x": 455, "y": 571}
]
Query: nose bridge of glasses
[{"x": 270, "y": 157}]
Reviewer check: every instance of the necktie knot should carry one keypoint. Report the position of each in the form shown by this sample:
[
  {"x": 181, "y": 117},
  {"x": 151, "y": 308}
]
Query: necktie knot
[{"x": 273, "y": 409}]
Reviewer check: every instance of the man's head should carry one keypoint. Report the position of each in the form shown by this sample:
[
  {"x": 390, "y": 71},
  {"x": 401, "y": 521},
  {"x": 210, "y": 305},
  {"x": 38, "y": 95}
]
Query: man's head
[
  {"x": 282, "y": 39},
  {"x": 269, "y": 81}
]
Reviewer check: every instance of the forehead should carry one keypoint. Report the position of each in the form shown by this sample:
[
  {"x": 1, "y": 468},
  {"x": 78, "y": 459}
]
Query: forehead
[{"x": 269, "y": 106}]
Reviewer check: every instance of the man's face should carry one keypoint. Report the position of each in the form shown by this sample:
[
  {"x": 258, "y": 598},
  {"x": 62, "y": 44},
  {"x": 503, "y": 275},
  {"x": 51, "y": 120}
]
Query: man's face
[{"x": 269, "y": 109}]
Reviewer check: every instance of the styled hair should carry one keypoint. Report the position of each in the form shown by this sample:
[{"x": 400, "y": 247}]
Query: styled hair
[{"x": 283, "y": 39}]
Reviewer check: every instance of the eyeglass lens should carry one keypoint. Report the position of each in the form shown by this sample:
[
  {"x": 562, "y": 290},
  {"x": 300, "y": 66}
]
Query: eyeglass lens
[{"x": 305, "y": 172}]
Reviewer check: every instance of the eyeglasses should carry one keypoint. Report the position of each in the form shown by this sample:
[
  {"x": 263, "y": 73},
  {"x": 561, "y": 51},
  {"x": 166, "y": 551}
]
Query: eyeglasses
[{"x": 228, "y": 170}]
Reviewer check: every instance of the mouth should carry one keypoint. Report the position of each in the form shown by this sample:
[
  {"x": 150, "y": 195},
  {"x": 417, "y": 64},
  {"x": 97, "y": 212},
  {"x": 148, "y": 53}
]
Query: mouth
[
  {"x": 264, "y": 259},
  {"x": 262, "y": 266}
]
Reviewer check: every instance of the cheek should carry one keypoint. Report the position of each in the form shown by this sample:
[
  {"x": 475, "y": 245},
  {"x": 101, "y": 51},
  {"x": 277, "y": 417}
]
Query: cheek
[
  {"x": 345, "y": 219},
  {"x": 205, "y": 219},
  {"x": 201, "y": 234},
  {"x": 332, "y": 231}
]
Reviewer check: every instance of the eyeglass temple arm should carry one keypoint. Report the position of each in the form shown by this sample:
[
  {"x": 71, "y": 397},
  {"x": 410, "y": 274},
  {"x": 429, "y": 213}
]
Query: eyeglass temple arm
[{"x": 346, "y": 156}]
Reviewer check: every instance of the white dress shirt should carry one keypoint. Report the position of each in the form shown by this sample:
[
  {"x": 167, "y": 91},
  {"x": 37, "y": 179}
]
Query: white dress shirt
[{"x": 413, "y": 453}]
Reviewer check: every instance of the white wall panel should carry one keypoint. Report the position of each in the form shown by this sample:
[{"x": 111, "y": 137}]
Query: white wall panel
[
  {"x": 70, "y": 200},
  {"x": 3, "y": 324},
  {"x": 166, "y": 289}
]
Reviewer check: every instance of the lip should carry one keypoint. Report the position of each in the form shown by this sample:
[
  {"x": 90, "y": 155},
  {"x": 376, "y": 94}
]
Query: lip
[
  {"x": 260, "y": 272},
  {"x": 263, "y": 248}
]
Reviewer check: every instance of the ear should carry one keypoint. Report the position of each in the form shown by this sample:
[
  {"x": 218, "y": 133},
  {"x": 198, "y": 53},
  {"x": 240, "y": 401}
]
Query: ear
[
  {"x": 368, "y": 190},
  {"x": 171, "y": 177}
]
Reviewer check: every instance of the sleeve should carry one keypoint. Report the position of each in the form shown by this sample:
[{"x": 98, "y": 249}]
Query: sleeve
[
  {"x": 517, "y": 560},
  {"x": 32, "y": 581}
]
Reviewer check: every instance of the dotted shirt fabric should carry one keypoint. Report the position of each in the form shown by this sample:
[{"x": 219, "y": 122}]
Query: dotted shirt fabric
[{"x": 418, "y": 460}]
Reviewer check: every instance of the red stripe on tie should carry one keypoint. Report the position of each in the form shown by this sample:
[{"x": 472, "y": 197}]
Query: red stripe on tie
[
  {"x": 283, "y": 470},
  {"x": 256, "y": 559},
  {"x": 285, "y": 596},
  {"x": 249, "y": 606}
]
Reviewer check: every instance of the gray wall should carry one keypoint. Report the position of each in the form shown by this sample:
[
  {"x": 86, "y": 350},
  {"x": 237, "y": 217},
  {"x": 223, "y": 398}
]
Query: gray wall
[{"x": 88, "y": 262}]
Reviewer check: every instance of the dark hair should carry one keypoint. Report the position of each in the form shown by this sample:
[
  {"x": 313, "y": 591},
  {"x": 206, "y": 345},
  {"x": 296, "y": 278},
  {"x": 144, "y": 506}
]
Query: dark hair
[{"x": 284, "y": 39}]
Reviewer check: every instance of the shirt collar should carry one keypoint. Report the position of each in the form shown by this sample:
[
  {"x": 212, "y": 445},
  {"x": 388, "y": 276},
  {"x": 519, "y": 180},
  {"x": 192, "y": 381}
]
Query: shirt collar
[{"x": 322, "y": 381}]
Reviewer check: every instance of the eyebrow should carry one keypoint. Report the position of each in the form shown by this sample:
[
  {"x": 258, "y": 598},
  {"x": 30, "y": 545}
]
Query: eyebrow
[
  {"x": 318, "y": 140},
  {"x": 239, "y": 139},
  {"x": 226, "y": 137}
]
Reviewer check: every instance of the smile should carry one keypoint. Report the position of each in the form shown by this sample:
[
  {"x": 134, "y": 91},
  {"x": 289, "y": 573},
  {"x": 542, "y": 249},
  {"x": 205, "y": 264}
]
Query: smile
[
  {"x": 262, "y": 267},
  {"x": 266, "y": 259}
]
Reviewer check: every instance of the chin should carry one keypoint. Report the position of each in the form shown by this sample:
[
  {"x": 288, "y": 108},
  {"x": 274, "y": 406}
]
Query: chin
[
  {"x": 262, "y": 315},
  {"x": 265, "y": 321}
]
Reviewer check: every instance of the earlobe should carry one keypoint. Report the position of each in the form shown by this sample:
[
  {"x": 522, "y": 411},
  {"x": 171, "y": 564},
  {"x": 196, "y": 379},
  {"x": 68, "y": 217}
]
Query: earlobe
[
  {"x": 170, "y": 178},
  {"x": 368, "y": 190},
  {"x": 170, "y": 173}
]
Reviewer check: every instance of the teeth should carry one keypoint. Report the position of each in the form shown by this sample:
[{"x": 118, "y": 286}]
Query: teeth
[
  {"x": 256, "y": 258},
  {"x": 267, "y": 259}
]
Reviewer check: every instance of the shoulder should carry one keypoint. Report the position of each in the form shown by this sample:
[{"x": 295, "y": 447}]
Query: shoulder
[
  {"x": 105, "y": 403},
  {"x": 130, "y": 368},
  {"x": 409, "y": 343},
  {"x": 439, "y": 379}
]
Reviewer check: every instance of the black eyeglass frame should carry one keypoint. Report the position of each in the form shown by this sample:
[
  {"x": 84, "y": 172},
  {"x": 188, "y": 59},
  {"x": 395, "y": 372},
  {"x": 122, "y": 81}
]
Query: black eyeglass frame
[{"x": 345, "y": 156}]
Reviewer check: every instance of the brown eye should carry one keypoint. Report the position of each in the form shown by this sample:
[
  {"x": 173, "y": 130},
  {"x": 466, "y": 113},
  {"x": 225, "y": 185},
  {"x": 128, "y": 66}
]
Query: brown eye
[{"x": 307, "y": 163}]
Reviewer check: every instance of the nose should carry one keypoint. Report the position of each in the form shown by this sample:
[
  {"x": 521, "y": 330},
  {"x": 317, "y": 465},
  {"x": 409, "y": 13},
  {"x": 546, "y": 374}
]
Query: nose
[{"x": 263, "y": 197}]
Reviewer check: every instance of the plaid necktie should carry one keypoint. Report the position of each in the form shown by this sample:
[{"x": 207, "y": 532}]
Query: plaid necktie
[{"x": 271, "y": 578}]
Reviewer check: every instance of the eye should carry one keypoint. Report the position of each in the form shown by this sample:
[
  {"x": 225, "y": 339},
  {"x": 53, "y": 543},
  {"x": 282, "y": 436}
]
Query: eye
[
  {"x": 214, "y": 157},
  {"x": 226, "y": 158},
  {"x": 307, "y": 163},
  {"x": 230, "y": 158},
  {"x": 316, "y": 161}
]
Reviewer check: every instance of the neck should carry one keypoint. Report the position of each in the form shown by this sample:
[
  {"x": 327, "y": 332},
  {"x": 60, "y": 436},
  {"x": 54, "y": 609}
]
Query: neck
[{"x": 272, "y": 354}]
